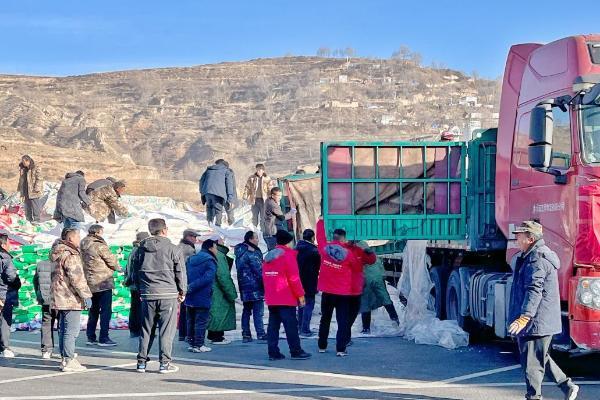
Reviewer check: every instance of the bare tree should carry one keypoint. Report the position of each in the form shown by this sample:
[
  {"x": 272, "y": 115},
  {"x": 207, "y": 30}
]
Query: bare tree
[
  {"x": 403, "y": 53},
  {"x": 349, "y": 52},
  {"x": 324, "y": 52},
  {"x": 416, "y": 58}
]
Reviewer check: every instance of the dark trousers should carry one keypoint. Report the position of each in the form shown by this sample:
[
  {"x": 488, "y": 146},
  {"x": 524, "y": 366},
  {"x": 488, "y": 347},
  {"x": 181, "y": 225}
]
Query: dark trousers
[
  {"x": 285, "y": 315},
  {"x": 214, "y": 208},
  {"x": 197, "y": 321},
  {"x": 258, "y": 213},
  {"x": 135, "y": 314},
  {"x": 33, "y": 208},
  {"x": 161, "y": 314},
  {"x": 48, "y": 320},
  {"x": 305, "y": 314},
  {"x": 257, "y": 310},
  {"x": 366, "y": 316},
  {"x": 6, "y": 317},
  {"x": 183, "y": 323},
  {"x": 270, "y": 241},
  {"x": 341, "y": 305},
  {"x": 69, "y": 326},
  {"x": 215, "y": 336},
  {"x": 101, "y": 308},
  {"x": 353, "y": 313},
  {"x": 536, "y": 362}
]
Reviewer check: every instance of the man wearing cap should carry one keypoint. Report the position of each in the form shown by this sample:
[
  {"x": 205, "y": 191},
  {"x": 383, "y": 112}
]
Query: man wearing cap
[
  {"x": 535, "y": 310},
  {"x": 135, "y": 311},
  {"x": 187, "y": 247}
]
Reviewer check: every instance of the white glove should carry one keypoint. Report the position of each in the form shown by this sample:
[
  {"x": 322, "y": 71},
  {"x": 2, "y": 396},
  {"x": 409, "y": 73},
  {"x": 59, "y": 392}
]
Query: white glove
[
  {"x": 293, "y": 211},
  {"x": 88, "y": 303}
]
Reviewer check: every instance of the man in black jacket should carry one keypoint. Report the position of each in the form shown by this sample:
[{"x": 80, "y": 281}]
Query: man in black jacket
[
  {"x": 535, "y": 310},
  {"x": 309, "y": 262},
  {"x": 162, "y": 283}
]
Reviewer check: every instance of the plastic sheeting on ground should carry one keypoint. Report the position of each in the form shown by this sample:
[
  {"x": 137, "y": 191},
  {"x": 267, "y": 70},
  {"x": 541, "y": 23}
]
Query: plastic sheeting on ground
[{"x": 417, "y": 321}]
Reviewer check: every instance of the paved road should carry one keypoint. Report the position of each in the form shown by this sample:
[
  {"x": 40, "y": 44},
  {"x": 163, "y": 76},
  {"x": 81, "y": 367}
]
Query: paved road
[{"x": 377, "y": 368}]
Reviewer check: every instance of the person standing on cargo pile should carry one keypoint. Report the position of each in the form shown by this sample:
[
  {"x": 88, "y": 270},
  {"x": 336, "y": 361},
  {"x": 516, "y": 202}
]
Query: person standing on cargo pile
[
  {"x": 283, "y": 293},
  {"x": 71, "y": 200},
  {"x": 187, "y": 247},
  {"x": 338, "y": 281},
  {"x": 9, "y": 295},
  {"x": 99, "y": 265},
  {"x": 42, "y": 282},
  {"x": 162, "y": 282},
  {"x": 274, "y": 217},
  {"x": 217, "y": 187},
  {"x": 70, "y": 295},
  {"x": 31, "y": 188},
  {"x": 535, "y": 310},
  {"x": 256, "y": 193},
  {"x": 135, "y": 310},
  {"x": 309, "y": 262},
  {"x": 230, "y": 206},
  {"x": 248, "y": 262},
  {"x": 105, "y": 202}
]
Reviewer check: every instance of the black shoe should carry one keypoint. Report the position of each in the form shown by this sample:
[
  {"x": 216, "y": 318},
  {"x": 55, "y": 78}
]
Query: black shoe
[
  {"x": 246, "y": 339},
  {"x": 366, "y": 332},
  {"x": 277, "y": 357},
  {"x": 107, "y": 343},
  {"x": 301, "y": 356},
  {"x": 92, "y": 342},
  {"x": 262, "y": 339}
]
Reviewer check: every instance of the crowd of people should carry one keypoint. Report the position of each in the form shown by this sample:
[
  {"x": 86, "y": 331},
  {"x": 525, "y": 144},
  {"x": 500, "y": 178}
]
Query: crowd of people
[{"x": 189, "y": 287}]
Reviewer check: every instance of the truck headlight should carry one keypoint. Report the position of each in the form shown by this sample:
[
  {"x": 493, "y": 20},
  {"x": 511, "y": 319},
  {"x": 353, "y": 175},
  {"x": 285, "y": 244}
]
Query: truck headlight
[{"x": 588, "y": 292}]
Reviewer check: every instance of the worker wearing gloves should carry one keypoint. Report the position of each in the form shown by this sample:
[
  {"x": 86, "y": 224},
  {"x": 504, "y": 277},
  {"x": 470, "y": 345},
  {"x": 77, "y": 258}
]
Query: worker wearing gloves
[{"x": 535, "y": 310}]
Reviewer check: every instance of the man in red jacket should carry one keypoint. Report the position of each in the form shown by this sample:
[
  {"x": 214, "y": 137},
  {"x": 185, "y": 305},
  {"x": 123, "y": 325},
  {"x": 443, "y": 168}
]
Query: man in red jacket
[
  {"x": 340, "y": 281},
  {"x": 283, "y": 293}
]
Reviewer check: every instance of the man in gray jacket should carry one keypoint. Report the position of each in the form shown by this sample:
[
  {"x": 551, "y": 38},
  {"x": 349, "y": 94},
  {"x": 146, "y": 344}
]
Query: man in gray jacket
[
  {"x": 535, "y": 310},
  {"x": 71, "y": 199},
  {"x": 162, "y": 282},
  {"x": 217, "y": 190}
]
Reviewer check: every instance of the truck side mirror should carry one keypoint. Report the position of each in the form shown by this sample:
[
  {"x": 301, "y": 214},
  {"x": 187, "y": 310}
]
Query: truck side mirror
[{"x": 540, "y": 134}]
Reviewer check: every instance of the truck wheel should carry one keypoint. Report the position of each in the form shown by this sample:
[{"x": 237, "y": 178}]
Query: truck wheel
[
  {"x": 437, "y": 296},
  {"x": 453, "y": 299}
]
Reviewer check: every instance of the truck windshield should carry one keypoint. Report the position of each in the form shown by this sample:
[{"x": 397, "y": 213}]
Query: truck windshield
[{"x": 590, "y": 126}]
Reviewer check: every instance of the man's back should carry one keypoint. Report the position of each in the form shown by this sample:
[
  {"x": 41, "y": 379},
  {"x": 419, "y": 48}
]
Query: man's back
[{"x": 161, "y": 269}]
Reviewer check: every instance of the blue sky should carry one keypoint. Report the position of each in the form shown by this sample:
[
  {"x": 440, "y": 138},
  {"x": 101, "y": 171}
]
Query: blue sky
[{"x": 66, "y": 37}]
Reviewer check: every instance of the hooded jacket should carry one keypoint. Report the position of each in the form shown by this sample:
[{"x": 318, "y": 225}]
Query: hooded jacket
[
  {"x": 218, "y": 180},
  {"x": 99, "y": 263},
  {"x": 160, "y": 269},
  {"x": 309, "y": 263},
  {"x": 35, "y": 183},
  {"x": 9, "y": 280},
  {"x": 281, "y": 277},
  {"x": 248, "y": 262},
  {"x": 201, "y": 269},
  {"x": 535, "y": 290},
  {"x": 71, "y": 198},
  {"x": 69, "y": 287}
]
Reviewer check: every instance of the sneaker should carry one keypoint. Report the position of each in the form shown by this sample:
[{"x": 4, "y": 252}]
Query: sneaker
[
  {"x": 307, "y": 334},
  {"x": 7, "y": 353},
  {"x": 277, "y": 357},
  {"x": 201, "y": 349},
  {"x": 302, "y": 356},
  {"x": 73, "y": 366},
  {"x": 167, "y": 368},
  {"x": 141, "y": 367},
  {"x": 246, "y": 339},
  {"x": 573, "y": 391},
  {"x": 222, "y": 342},
  {"x": 366, "y": 331},
  {"x": 342, "y": 354},
  {"x": 46, "y": 355},
  {"x": 322, "y": 351},
  {"x": 107, "y": 343},
  {"x": 92, "y": 342},
  {"x": 262, "y": 338}
]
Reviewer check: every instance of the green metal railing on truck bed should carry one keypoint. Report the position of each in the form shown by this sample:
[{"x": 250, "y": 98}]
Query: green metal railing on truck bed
[{"x": 387, "y": 190}]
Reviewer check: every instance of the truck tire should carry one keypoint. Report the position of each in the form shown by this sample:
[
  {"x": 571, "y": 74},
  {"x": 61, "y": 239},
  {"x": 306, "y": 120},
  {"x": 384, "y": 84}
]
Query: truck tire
[
  {"x": 438, "y": 292},
  {"x": 453, "y": 300}
]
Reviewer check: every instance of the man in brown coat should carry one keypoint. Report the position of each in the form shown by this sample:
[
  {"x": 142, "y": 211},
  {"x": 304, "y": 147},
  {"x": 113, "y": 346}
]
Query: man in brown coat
[
  {"x": 256, "y": 193},
  {"x": 106, "y": 203},
  {"x": 99, "y": 265},
  {"x": 70, "y": 294},
  {"x": 31, "y": 189}
]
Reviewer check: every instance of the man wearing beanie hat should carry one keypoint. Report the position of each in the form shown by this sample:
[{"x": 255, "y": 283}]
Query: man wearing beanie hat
[
  {"x": 283, "y": 293},
  {"x": 135, "y": 311}
]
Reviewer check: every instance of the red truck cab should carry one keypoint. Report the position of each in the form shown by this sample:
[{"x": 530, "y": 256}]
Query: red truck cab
[{"x": 548, "y": 165}]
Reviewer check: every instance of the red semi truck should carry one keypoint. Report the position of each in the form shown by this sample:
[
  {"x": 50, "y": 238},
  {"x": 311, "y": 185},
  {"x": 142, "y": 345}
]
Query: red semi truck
[{"x": 542, "y": 163}]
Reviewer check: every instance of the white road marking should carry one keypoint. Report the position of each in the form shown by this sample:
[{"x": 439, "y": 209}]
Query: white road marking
[{"x": 478, "y": 374}]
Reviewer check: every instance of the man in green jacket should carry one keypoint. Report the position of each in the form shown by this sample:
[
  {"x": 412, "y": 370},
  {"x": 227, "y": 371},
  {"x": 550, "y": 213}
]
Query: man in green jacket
[{"x": 222, "y": 310}]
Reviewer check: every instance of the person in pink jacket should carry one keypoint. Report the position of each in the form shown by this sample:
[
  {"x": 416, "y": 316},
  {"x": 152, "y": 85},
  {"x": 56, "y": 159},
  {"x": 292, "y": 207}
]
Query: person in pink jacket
[{"x": 283, "y": 293}]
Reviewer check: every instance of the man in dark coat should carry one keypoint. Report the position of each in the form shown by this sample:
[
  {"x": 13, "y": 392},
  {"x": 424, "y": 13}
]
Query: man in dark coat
[
  {"x": 135, "y": 311},
  {"x": 309, "y": 262},
  {"x": 217, "y": 190},
  {"x": 535, "y": 310},
  {"x": 275, "y": 218},
  {"x": 71, "y": 199},
  {"x": 187, "y": 246},
  {"x": 9, "y": 289}
]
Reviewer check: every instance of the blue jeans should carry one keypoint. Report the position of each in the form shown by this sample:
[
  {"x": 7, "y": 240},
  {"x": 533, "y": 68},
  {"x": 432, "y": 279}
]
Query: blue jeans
[
  {"x": 102, "y": 308},
  {"x": 197, "y": 321},
  {"x": 69, "y": 325},
  {"x": 72, "y": 223},
  {"x": 285, "y": 315},
  {"x": 305, "y": 314},
  {"x": 257, "y": 309}
]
